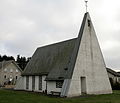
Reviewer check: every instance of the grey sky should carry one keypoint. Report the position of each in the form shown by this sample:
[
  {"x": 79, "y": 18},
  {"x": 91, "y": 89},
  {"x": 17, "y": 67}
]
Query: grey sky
[{"x": 28, "y": 24}]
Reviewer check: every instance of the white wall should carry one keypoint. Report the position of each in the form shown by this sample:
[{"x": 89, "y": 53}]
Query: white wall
[
  {"x": 24, "y": 82},
  {"x": 36, "y": 83},
  {"x": 30, "y": 83},
  {"x": 21, "y": 83},
  {"x": 43, "y": 83},
  {"x": 89, "y": 64},
  {"x": 51, "y": 86}
]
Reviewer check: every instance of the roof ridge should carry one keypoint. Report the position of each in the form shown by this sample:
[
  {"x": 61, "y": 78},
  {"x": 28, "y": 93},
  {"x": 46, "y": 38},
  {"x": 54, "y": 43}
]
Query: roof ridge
[{"x": 57, "y": 43}]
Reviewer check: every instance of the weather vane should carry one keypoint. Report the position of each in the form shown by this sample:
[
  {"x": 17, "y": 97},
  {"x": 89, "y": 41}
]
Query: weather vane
[{"x": 86, "y": 1}]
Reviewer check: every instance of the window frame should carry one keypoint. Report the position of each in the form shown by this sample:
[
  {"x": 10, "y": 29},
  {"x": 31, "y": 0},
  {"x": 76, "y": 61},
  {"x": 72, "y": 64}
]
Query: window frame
[
  {"x": 59, "y": 84},
  {"x": 27, "y": 82},
  {"x": 40, "y": 83}
]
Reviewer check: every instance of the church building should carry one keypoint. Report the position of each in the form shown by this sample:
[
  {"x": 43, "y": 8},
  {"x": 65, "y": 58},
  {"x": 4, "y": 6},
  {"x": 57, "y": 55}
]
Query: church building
[{"x": 70, "y": 68}]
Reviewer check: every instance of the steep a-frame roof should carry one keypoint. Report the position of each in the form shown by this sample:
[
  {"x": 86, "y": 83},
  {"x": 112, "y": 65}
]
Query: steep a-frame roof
[
  {"x": 52, "y": 59},
  {"x": 57, "y": 60}
]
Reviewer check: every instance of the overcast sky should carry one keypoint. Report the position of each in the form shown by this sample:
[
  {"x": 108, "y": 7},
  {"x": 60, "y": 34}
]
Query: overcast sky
[{"x": 28, "y": 24}]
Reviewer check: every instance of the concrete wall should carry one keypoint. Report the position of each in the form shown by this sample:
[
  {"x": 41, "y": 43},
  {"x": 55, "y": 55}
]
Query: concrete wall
[
  {"x": 51, "y": 86},
  {"x": 21, "y": 84},
  {"x": 89, "y": 64}
]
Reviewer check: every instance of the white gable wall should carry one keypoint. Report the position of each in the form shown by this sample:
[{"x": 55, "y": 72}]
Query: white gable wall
[
  {"x": 8, "y": 73},
  {"x": 89, "y": 64}
]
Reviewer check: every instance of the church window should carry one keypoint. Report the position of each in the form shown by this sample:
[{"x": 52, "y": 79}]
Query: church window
[
  {"x": 40, "y": 83},
  {"x": 59, "y": 84},
  {"x": 33, "y": 82},
  {"x": 27, "y": 82}
]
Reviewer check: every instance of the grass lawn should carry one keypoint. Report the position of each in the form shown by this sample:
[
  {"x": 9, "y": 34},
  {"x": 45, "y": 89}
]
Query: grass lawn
[{"x": 8, "y": 96}]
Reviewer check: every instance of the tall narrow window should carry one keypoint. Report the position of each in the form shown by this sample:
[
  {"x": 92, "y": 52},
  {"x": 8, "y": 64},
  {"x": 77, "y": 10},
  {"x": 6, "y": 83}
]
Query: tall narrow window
[
  {"x": 27, "y": 82},
  {"x": 5, "y": 76},
  {"x": 40, "y": 83},
  {"x": 16, "y": 77},
  {"x": 33, "y": 82}
]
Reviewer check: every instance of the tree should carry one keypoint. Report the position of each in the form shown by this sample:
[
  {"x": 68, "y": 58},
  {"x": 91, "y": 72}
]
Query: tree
[{"x": 22, "y": 61}]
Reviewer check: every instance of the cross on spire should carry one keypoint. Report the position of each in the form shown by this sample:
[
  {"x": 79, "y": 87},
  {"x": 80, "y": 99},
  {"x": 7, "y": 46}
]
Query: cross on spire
[{"x": 86, "y": 1}]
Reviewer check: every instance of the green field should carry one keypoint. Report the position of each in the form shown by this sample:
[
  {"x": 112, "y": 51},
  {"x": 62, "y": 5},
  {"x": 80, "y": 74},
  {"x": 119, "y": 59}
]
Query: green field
[{"x": 8, "y": 96}]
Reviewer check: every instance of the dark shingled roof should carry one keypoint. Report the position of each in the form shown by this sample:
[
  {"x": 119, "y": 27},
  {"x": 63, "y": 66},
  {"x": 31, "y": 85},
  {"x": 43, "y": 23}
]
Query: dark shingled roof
[
  {"x": 113, "y": 72},
  {"x": 57, "y": 61}
]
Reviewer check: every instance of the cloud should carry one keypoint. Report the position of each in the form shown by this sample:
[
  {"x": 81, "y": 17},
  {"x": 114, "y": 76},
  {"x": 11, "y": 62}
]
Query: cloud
[{"x": 28, "y": 24}]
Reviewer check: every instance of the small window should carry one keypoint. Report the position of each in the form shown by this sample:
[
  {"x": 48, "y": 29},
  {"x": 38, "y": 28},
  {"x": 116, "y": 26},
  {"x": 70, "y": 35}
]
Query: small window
[
  {"x": 65, "y": 68},
  {"x": 5, "y": 76},
  {"x": 89, "y": 22},
  {"x": 59, "y": 84},
  {"x": 16, "y": 77},
  {"x": 11, "y": 70}
]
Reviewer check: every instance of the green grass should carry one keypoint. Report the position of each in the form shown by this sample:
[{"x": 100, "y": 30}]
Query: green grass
[{"x": 8, "y": 96}]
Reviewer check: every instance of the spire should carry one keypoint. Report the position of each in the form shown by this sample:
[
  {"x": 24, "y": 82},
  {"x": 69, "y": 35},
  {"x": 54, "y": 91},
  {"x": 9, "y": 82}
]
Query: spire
[{"x": 83, "y": 24}]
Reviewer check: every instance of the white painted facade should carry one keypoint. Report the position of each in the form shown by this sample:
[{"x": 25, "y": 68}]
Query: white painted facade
[
  {"x": 51, "y": 86},
  {"x": 89, "y": 65},
  {"x": 46, "y": 85}
]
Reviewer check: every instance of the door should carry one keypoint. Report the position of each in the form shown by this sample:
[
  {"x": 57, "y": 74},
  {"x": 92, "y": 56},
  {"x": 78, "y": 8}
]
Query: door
[{"x": 83, "y": 85}]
